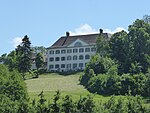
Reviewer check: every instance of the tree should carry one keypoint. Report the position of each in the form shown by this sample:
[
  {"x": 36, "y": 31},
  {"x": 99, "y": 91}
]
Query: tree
[
  {"x": 3, "y": 58},
  {"x": 38, "y": 49},
  {"x": 85, "y": 104},
  {"x": 68, "y": 105},
  {"x": 139, "y": 34},
  {"x": 147, "y": 85},
  {"x": 102, "y": 45},
  {"x": 10, "y": 60},
  {"x": 146, "y": 19},
  {"x": 24, "y": 52},
  {"x": 13, "y": 92},
  {"x": 132, "y": 48},
  {"x": 55, "y": 107},
  {"x": 41, "y": 106},
  {"x": 39, "y": 60},
  {"x": 119, "y": 50},
  {"x": 99, "y": 64}
]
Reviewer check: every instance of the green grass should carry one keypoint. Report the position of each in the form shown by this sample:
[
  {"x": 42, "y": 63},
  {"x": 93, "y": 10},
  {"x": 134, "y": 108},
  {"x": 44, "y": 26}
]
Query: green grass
[{"x": 67, "y": 85}]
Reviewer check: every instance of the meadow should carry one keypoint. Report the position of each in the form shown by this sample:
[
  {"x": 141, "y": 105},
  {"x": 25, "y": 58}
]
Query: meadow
[{"x": 67, "y": 85}]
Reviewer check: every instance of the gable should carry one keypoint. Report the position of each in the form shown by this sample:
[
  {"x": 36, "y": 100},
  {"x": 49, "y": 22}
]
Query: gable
[{"x": 77, "y": 43}]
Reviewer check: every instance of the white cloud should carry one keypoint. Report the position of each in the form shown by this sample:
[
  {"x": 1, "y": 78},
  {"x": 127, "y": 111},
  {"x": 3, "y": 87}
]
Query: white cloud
[
  {"x": 16, "y": 41},
  {"x": 87, "y": 29},
  {"x": 118, "y": 29},
  {"x": 83, "y": 29}
]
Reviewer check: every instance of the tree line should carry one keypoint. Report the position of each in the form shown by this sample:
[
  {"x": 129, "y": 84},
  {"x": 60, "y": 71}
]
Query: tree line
[{"x": 122, "y": 63}]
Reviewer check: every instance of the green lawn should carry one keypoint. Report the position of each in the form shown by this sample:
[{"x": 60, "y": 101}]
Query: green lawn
[
  {"x": 50, "y": 83},
  {"x": 68, "y": 85}
]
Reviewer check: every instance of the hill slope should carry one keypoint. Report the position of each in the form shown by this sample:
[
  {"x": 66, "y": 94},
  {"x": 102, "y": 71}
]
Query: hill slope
[{"x": 50, "y": 83}]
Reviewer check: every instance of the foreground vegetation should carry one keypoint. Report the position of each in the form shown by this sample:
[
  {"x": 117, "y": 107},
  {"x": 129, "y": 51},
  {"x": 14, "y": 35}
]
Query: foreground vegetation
[{"x": 12, "y": 100}]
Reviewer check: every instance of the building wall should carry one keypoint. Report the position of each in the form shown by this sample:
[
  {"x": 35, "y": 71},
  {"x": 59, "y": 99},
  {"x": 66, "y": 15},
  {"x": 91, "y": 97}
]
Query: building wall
[{"x": 66, "y": 64}]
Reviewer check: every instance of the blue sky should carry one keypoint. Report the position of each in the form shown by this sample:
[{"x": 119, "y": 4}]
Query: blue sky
[{"x": 44, "y": 21}]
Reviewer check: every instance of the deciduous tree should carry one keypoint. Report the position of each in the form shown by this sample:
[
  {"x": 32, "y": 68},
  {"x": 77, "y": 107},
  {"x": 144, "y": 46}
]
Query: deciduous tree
[{"x": 39, "y": 60}]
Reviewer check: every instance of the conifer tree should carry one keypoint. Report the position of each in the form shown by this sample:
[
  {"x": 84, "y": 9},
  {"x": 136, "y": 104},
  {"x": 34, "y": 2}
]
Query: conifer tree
[{"x": 24, "y": 56}]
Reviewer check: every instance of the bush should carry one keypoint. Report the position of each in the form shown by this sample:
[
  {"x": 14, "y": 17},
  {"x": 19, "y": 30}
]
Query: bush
[
  {"x": 13, "y": 88},
  {"x": 85, "y": 105},
  {"x": 147, "y": 85},
  {"x": 104, "y": 84},
  {"x": 68, "y": 105},
  {"x": 86, "y": 77},
  {"x": 127, "y": 104},
  {"x": 100, "y": 65},
  {"x": 97, "y": 84},
  {"x": 120, "y": 104},
  {"x": 110, "y": 82},
  {"x": 135, "y": 83}
]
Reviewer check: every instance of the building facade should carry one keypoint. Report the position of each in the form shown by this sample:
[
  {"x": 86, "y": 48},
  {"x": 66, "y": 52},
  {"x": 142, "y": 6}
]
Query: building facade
[{"x": 71, "y": 53}]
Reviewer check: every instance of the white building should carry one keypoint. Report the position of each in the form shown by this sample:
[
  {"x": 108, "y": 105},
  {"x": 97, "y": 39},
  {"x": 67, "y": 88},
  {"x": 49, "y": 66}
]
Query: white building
[{"x": 72, "y": 52}]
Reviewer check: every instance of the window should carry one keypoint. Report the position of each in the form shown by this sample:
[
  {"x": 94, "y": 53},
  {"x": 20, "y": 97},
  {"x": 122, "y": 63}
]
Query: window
[
  {"x": 81, "y": 57},
  {"x": 69, "y": 66},
  {"x": 75, "y": 65},
  {"x": 69, "y": 51},
  {"x": 81, "y": 50},
  {"x": 51, "y": 52},
  {"x": 69, "y": 58},
  {"x": 87, "y": 56},
  {"x": 75, "y": 57},
  {"x": 87, "y": 49},
  {"x": 51, "y": 66},
  {"x": 80, "y": 65},
  {"x": 51, "y": 59},
  {"x": 57, "y": 59},
  {"x": 62, "y": 65},
  {"x": 77, "y": 44},
  {"x": 57, "y": 66},
  {"x": 63, "y": 51},
  {"x": 62, "y": 58},
  {"x": 57, "y": 52},
  {"x": 93, "y": 49},
  {"x": 75, "y": 50}
]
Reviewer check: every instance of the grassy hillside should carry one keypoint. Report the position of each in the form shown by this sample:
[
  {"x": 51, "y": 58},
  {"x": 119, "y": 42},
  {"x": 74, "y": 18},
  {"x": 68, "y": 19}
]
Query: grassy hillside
[
  {"x": 50, "y": 83},
  {"x": 68, "y": 85}
]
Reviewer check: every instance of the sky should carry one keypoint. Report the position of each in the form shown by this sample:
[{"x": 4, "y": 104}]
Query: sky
[{"x": 44, "y": 21}]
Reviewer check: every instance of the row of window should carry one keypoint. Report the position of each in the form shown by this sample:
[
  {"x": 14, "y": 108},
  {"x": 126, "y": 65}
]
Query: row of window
[
  {"x": 75, "y": 57},
  {"x": 63, "y": 51},
  {"x": 68, "y": 66}
]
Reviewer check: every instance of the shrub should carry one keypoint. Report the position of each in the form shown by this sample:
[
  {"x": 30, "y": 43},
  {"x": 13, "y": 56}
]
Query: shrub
[
  {"x": 86, "y": 77},
  {"x": 135, "y": 83},
  {"x": 68, "y": 105},
  {"x": 100, "y": 65},
  {"x": 104, "y": 84},
  {"x": 85, "y": 105},
  {"x": 13, "y": 88}
]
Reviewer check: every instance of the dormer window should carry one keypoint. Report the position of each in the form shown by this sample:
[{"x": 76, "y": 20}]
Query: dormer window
[{"x": 78, "y": 44}]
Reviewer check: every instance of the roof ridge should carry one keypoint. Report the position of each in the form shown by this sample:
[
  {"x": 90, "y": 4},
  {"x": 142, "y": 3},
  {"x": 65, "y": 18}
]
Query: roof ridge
[{"x": 84, "y": 35}]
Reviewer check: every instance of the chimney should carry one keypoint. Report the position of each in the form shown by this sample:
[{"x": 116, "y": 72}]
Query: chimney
[
  {"x": 67, "y": 34},
  {"x": 101, "y": 31}
]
